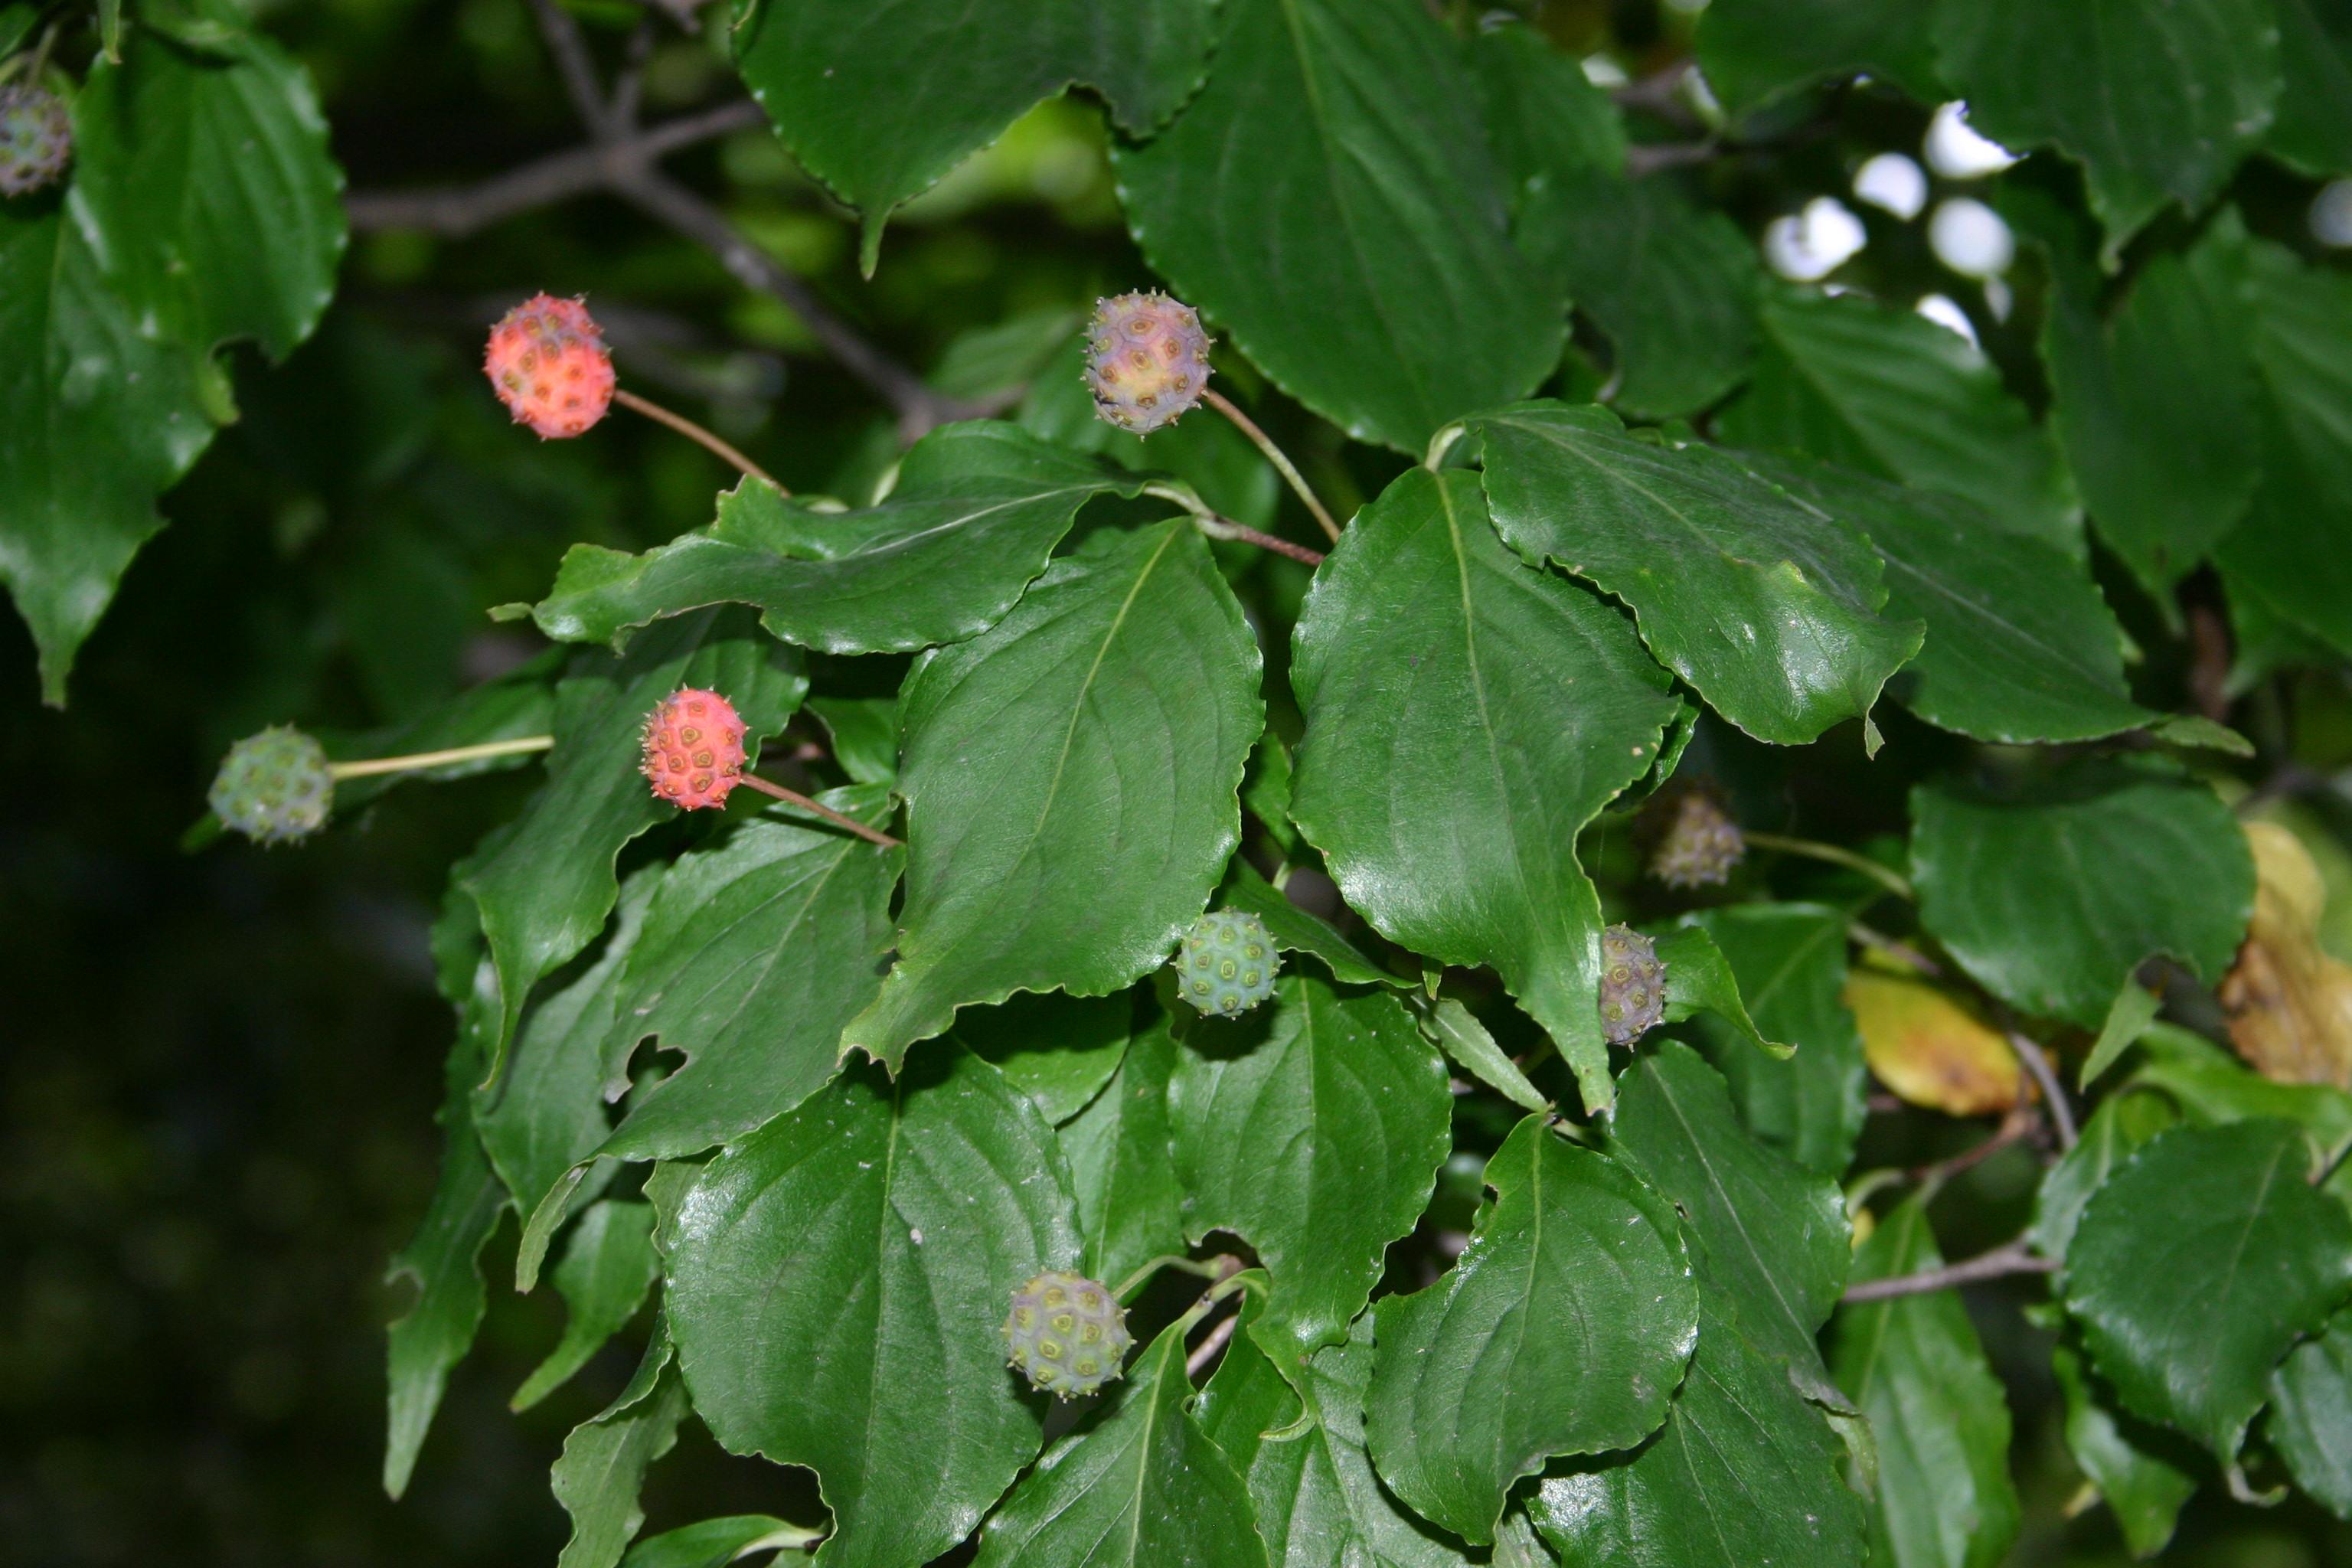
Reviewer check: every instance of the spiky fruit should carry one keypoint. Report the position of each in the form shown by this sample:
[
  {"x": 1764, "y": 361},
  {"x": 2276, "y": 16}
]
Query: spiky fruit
[
  {"x": 1694, "y": 841},
  {"x": 1632, "y": 985},
  {"x": 548, "y": 362},
  {"x": 274, "y": 788},
  {"x": 1067, "y": 1333},
  {"x": 693, "y": 749},
  {"x": 36, "y": 138},
  {"x": 1227, "y": 963},
  {"x": 1146, "y": 360}
]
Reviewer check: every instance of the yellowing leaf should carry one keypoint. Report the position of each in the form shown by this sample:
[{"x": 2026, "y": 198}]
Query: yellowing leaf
[
  {"x": 1930, "y": 1048},
  {"x": 2290, "y": 1003}
]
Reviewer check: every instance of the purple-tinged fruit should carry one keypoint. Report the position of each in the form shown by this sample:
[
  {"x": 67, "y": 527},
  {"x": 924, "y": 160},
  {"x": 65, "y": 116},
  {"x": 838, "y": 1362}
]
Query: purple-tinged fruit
[
  {"x": 1632, "y": 985},
  {"x": 1146, "y": 360}
]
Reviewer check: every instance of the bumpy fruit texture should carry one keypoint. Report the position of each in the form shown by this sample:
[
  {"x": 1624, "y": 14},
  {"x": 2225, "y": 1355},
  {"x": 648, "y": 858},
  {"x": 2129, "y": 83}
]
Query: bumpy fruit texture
[
  {"x": 548, "y": 362},
  {"x": 694, "y": 749},
  {"x": 1066, "y": 1333},
  {"x": 1146, "y": 360},
  {"x": 36, "y": 138},
  {"x": 1632, "y": 985},
  {"x": 1227, "y": 963},
  {"x": 1696, "y": 843},
  {"x": 274, "y": 788}
]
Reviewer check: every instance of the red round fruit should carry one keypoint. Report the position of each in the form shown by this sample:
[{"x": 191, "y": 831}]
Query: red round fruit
[
  {"x": 693, "y": 749},
  {"x": 548, "y": 362}
]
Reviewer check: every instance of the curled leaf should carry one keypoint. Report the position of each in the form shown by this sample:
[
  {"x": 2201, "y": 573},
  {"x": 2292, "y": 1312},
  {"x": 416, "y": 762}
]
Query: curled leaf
[
  {"x": 1929, "y": 1047},
  {"x": 2290, "y": 1003}
]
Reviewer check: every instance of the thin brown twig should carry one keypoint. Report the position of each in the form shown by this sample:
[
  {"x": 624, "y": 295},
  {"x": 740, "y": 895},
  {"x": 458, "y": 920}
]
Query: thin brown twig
[
  {"x": 1227, "y": 528},
  {"x": 1649, "y": 157},
  {"x": 2000, "y": 1263},
  {"x": 920, "y": 409},
  {"x": 456, "y": 211},
  {"x": 794, "y": 797},
  {"x": 1212, "y": 1344},
  {"x": 1902, "y": 952},
  {"x": 1275, "y": 454},
  {"x": 2036, "y": 1063},
  {"x": 2015, "y": 1128},
  {"x": 696, "y": 433},
  {"x": 572, "y": 63}
]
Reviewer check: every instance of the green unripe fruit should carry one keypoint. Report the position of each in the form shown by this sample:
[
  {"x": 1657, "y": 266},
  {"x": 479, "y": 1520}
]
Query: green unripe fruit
[
  {"x": 1694, "y": 841},
  {"x": 1632, "y": 985},
  {"x": 36, "y": 138},
  {"x": 1067, "y": 1333},
  {"x": 1227, "y": 963},
  {"x": 274, "y": 788}
]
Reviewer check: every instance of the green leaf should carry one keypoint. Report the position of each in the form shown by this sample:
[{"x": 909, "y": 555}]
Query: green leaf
[
  {"x": 203, "y": 185},
  {"x": 2156, "y": 402},
  {"x": 976, "y": 514},
  {"x": 716, "y": 1542},
  {"x": 879, "y": 105},
  {"x": 2211, "y": 1086},
  {"x": 755, "y": 952},
  {"x": 603, "y": 1276},
  {"x": 2052, "y": 893},
  {"x": 1699, "y": 980},
  {"x": 1071, "y": 781},
  {"x": 1890, "y": 393},
  {"x": 2311, "y": 1410},
  {"x": 1671, "y": 284},
  {"x": 1140, "y": 1487},
  {"x": 545, "y": 1115},
  {"x": 2313, "y": 127},
  {"x": 1331, "y": 200},
  {"x": 1767, "y": 1234},
  {"x": 1563, "y": 1328},
  {"x": 100, "y": 421},
  {"x": 1791, "y": 962},
  {"x": 1295, "y": 931},
  {"x": 865, "y": 735},
  {"x": 1456, "y": 1031},
  {"x": 443, "y": 1260},
  {"x": 1743, "y": 1472},
  {"x": 515, "y": 705},
  {"x": 604, "y": 1459},
  {"x": 1466, "y": 716},
  {"x": 836, "y": 1281},
  {"x": 1756, "y": 51},
  {"x": 1121, "y": 1152},
  {"x": 2286, "y": 552},
  {"x": 545, "y": 891},
  {"x": 1059, "y": 1050},
  {"x": 2114, "y": 1133},
  {"x": 2129, "y": 1016},
  {"x": 1316, "y": 1497},
  {"x": 2157, "y": 102},
  {"x": 2143, "y": 1472},
  {"x": 1545, "y": 117},
  {"x": 1936, "y": 1412},
  {"x": 1313, "y": 1129},
  {"x": 1764, "y": 605},
  {"x": 2019, "y": 643},
  {"x": 2198, "y": 1264}
]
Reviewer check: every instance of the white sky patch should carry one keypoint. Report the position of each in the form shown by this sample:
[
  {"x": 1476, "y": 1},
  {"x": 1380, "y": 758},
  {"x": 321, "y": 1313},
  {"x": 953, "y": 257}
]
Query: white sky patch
[
  {"x": 1892, "y": 182},
  {"x": 1955, "y": 150},
  {"x": 1810, "y": 245},
  {"x": 1945, "y": 311},
  {"x": 2331, "y": 213},
  {"x": 1971, "y": 238}
]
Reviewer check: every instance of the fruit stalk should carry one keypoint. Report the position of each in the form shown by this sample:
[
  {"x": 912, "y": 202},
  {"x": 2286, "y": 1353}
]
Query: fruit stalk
[
  {"x": 1275, "y": 454},
  {"x": 695, "y": 433}
]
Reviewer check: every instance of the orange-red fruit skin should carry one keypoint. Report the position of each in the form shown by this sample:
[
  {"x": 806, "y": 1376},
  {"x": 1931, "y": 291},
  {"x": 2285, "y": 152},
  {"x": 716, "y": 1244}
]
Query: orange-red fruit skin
[
  {"x": 693, "y": 754},
  {"x": 548, "y": 362}
]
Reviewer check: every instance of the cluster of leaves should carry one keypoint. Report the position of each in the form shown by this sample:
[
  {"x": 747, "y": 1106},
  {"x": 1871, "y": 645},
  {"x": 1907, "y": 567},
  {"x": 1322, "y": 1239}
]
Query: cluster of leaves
[{"x": 895, "y": 1080}]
